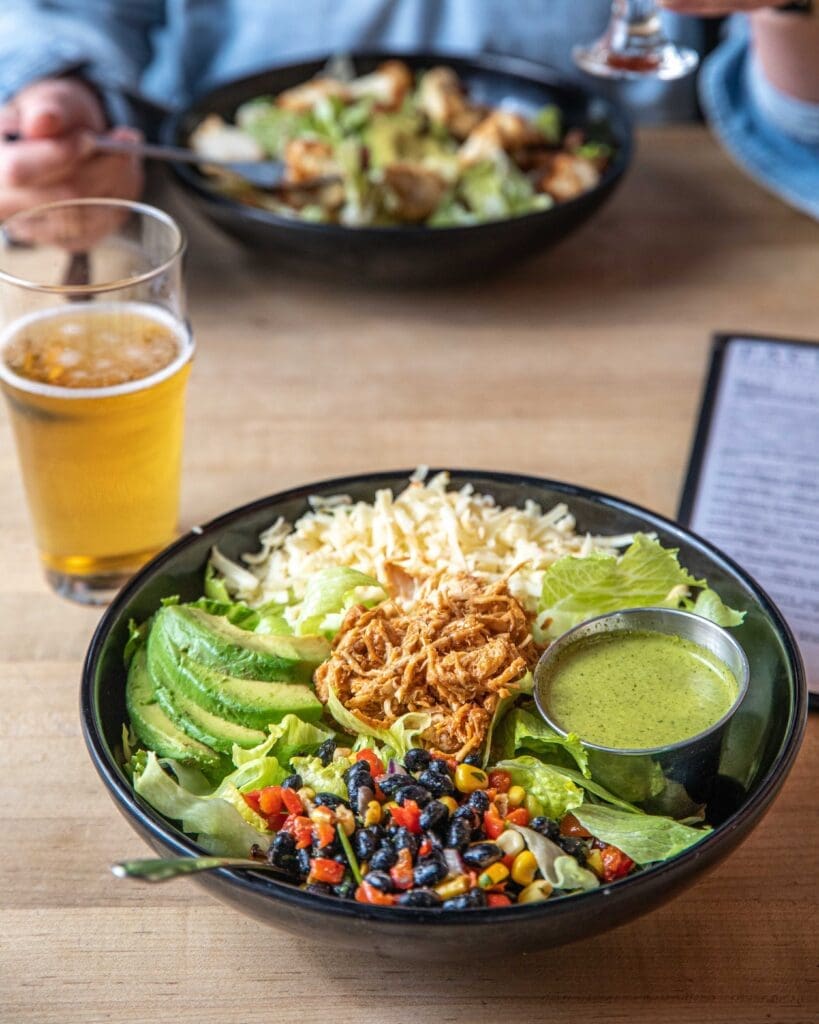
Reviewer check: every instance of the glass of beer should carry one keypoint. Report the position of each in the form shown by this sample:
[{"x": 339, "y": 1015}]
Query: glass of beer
[{"x": 95, "y": 353}]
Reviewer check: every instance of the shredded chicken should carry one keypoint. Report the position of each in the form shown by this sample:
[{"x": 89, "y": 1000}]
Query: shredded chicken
[
  {"x": 569, "y": 176},
  {"x": 459, "y": 648},
  {"x": 501, "y": 132}
]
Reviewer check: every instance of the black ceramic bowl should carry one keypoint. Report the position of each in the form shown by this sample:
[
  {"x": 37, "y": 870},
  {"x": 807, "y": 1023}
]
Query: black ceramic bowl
[
  {"x": 761, "y": 744},
  {"x": 411, "y": 255}
]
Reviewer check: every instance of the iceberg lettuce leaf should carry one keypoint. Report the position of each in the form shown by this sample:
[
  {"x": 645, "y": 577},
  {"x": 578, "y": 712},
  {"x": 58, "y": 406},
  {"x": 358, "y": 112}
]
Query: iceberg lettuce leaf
[
  {"x": 646, "y": 838},
  {"x": 402, "y": 735},
  {"x": 521, "y": 731},
  {"x": 323, "y": 778},
  {"x": 646, "y": 574},
  {"x": 287, "y": 738},
  {"x": 214, "y": 819},
  {"x": 330, "y": 592}
]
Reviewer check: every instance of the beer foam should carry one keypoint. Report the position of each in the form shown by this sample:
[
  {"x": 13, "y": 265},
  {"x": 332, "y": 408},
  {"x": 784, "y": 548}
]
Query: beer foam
[{"x": 69, "y": 357}]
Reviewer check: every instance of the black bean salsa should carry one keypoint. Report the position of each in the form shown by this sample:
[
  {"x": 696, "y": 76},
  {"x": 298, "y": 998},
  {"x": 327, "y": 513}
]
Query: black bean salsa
[{"x": 428, "y": 833}]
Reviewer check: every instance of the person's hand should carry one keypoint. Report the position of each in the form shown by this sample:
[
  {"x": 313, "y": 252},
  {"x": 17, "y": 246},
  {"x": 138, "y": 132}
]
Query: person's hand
[
  {"x": 714, "y": 8},
  {"x": 52, "y": 157}
]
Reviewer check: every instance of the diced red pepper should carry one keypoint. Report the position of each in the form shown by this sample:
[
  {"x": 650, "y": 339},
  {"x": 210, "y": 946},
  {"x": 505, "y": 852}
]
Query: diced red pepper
[
  {"x": 323, "y": 869},
  {"x": 615, "y": 863},
  {"x": 275, "y": 821},
  {"x": 372, "y": 759},
  {"x": 570, "y": 826},
  {"x": 493, "y": 824},
  {"x": 401, "y": 872},
  {"x": 508, "y": 860},
  {"x": 500, "y": 780},
  {"x": 252, "y": 800},
  {"x": 292, "y": 801},
  {"x": 324, "y": 833},
  {"x": 270, "y": 800},
  {"x": 497, "y": 899},
  {"x": 300, "y": 828},
  {"x": 425, "y": 849},
  {"x": 367, "y": 893},
  {"x": 408, "y": 815},
  {"x": 520, "y": 816}
]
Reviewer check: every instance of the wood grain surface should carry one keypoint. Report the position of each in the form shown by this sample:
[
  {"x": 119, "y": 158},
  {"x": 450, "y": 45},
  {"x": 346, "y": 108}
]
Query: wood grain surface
[{"x": 585, "y": 364}]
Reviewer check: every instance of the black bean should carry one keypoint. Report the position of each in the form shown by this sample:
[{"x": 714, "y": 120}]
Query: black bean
[
  {"x": 358, "y": 774},
  {"x": 419, "y": 898},
  {"x": 436, "y": 783},
  {"x": 469, "y": 901},
  {"x": 434, "y": 814},
  {"x": 479, "y": 800},
  {"x": 546, "y": 826},
  {"x": 327, "y": 800},
  {"x": 574, "y": 847},
  {"x": 417, "y": 759},
  {"x": 390, "y": 784},
  {"x": 420, "y": 794},
  {"x": 458, "y": 834},
  {"x": 361, "y": 799},
  {"x": 303, "y": 861},
  {"x": 326, "y": 751},
  {"x": 481, "y": 855},
  {"x": 383, "y": 858},
  {"x": 401, "y": 838},
  {"x": 319, "y": 889},
  {"x": 379, "y": 880},
  {"x": 364, "y": 844},
  {"x": 429, "y": 871},
  {"x": 283, "y": 846},
  {"x": 439, "y": 766},
  {"x": 292, "y": 782},
  {"x": 474, "y": 759},
  {"x": 467, "y": 813}
]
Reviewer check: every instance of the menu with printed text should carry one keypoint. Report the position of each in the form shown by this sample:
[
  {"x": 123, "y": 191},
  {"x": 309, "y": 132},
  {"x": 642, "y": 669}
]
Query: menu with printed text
[{"x": 754, "y": 489}]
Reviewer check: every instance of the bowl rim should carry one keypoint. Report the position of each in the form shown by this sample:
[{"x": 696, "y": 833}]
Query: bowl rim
[
  {"x": 516, "y": 67},
  {"x": 258, "y": 885}
]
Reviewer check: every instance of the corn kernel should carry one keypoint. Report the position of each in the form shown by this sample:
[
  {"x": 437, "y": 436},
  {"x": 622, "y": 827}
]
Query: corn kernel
[
  {"x": 536, "y": 892},
  {"x": 319, "y": 814},
  {"x": 594, "y": 862},
  {"x": 511, "y": 842},
  {"x": 516, "y": 795},
  {"x": 495, "y": 873},
  {"x": 452, "y": 887},
  {"x": 372, "y": 815},
  {"x": 306, "y": 792},
  {"x": 449, "y": 802},
  {"x": 524, "y": 867},
  {"x": 341, "y": 753},
  {"x": 346, "y": 818},
  {"x": 389, "y": 807},
  {"x": 468, "y": 778}
]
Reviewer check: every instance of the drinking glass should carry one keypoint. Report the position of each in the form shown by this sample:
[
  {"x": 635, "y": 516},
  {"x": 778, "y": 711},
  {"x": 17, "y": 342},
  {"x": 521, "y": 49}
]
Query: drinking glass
[
  {"x": 95, "y": 354},
  {"x": 635, "y": 46}
]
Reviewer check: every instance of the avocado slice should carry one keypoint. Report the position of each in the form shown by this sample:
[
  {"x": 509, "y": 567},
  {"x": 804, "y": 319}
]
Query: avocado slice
[
  {"x": 214, "y": 641},
  {"x": 251, "y": 703},
  {"x": 153, "y": 727}
]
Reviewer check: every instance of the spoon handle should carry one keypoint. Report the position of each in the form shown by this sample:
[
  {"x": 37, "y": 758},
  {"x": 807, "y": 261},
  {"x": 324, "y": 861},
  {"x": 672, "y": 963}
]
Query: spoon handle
[
  {"x": 156, "y": 869},
  {"x": 178, "y": 154}
]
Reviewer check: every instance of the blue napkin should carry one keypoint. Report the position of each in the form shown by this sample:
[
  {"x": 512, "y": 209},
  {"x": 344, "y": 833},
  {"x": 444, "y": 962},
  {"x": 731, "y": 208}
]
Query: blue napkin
[{"x": 772, "y": 136}]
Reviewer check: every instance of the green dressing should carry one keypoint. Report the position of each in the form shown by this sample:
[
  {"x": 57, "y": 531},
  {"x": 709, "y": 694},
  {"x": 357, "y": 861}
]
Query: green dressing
[{"x": 639, "y": 689}]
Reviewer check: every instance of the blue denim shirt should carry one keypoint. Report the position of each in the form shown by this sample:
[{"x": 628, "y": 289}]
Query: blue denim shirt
[{"x": 169, "y": 51}]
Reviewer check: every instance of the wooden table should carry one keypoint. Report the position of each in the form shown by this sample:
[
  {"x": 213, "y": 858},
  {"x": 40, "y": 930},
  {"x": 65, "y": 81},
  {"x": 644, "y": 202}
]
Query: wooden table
[{"x": 586, "y": 365}]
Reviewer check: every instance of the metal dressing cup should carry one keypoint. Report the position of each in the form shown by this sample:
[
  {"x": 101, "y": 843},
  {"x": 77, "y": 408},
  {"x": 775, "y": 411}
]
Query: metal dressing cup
[{"x": 676, "y": 779}]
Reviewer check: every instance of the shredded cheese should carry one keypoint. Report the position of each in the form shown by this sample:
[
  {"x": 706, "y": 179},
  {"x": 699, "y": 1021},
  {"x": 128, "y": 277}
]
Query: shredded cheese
[{"x": 424, "y": 529}]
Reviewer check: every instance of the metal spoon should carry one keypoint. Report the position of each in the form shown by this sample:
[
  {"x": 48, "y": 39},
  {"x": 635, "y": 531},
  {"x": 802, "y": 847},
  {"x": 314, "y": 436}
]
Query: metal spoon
[
  {"x": 157, "y": 869},
  {"x": 264, "y": 174}
]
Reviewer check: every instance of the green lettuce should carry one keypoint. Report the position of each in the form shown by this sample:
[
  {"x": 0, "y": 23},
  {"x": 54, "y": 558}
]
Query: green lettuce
[
  {"x": 287, "y": 738},
  {"x": 497, "y": 189},
  {"x": 550, "y": 786},
  {"x": 216, "y": 818},
  {"x": 523, "y": 731},
  {"x": 329, "y": 593},
  {"x": 550, "y": 122},
  {"x": 646, "y": 838},
  {"x": 323, "y": 778},
  {"x": 556, "y": 866},
  {"x": 577, "y": 589},
  {"x": 590, "y": 786},
  {"x": 403, "y": 734}
]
